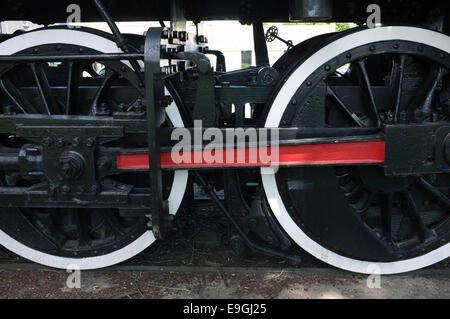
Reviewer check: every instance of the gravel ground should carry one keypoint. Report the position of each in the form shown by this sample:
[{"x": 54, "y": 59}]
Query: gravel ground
[{"x": 129, "y": 285}]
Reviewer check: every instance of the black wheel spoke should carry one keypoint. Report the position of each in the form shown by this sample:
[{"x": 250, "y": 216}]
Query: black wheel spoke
[
  {"x": 368, "y": 88},
  {"x": 429, "y": 97},
  {"x": 14, "y": 94},
  {"x": 424, "y": 232},
  {"x": 435, "y": 192},
  {"x": 399, "y": 85},
  {"x": 43, "y": 222},
  {"x": 45, "y": 91},
  {"x": 344, "y": 107},
  {"x": 387, "y": 216},
  {"x": 110, "y": 77},
  {"x": 364, "y": 210},
  {"x": 421, "y": 107},
  {"x": 73, "y": 76},
  {"x": 40, "y": 89}
]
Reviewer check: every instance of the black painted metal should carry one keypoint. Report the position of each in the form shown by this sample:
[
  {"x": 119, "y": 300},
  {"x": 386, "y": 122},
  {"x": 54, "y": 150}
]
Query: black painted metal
[
  {"x": 251, "y": 244},
  {"x": 250, "y": 212},
  {"x": 121, "y": 41},
  {"x": 310, "y": 10},
  {"x": 221, "y": 63},
  {"x": 262, "y": 55},
  {"x": 154, "y": 87},
  {"x": 72, "y": 58},
  {"x": 204, "y": 108},
  {"x": 416, "y": 149},
  {"x": 51, "y": 11}
]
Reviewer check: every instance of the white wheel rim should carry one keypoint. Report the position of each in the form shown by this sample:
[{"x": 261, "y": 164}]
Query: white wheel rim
[
  {"x": 279, "y": 105},
  {"x": 98, "y": 43}
]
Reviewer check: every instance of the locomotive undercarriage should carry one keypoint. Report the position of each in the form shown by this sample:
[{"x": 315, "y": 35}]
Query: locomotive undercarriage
[{"x": 363, "y": 139}]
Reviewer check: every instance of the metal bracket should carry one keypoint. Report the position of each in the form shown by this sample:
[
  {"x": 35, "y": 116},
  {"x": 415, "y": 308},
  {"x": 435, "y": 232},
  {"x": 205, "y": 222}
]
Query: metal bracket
[
  {"x": 204, "y": 108},
  {"x": 154, "y": 93},
  {"x": 65, "y": 156},
  {"x": 417, "y": 149}
]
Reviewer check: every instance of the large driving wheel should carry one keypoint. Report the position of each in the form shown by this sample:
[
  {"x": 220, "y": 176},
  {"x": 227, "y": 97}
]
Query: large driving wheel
[
  {"x": 87, "y": 238},
  {"x": 354, "y": 217}
]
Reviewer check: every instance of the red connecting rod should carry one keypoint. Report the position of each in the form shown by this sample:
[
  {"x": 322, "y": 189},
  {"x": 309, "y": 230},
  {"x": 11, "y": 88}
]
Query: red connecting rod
[{"x": 370, "y": 152}]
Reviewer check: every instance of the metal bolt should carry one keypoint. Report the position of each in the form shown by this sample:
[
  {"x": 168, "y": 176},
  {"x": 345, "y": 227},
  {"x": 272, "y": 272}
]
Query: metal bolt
[
  {"x": 47, "y": 141},
  {"x": 93, "y": 189},
  {"x": 90, "y": 142},
  {"x": 76, "y": 142},
  {"x": 403, "y": 118},
  {"x": 60, "y": 142},
  {"x": 103, "y": 109},
  {"x": 253, "y": 222},
  {"x": 166, "y": 101},
  {"x": 72, "y": 165},
  {"x": 52, "y": 190},
  {"x": 8, "y": 110},
  {"x": 65, "y": 189},
  {"x": 80, "y": 190},
  {"x": 237, "y": 244},
  {"x": 139, "y": 106},
  {"x": 122, "y": 107},
  {"x": 104, "y": 163},
  {"x": 390, "y": 117}
]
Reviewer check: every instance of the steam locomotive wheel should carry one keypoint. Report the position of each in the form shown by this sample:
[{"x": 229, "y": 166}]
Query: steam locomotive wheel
[
  {"x": 355, "y": 217},
  {"x": 86, "y": 238}
]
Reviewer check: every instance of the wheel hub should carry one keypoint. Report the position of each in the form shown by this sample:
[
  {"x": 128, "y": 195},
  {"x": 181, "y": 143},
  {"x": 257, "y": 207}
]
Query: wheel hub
[{"x": 374, "y": 178}]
